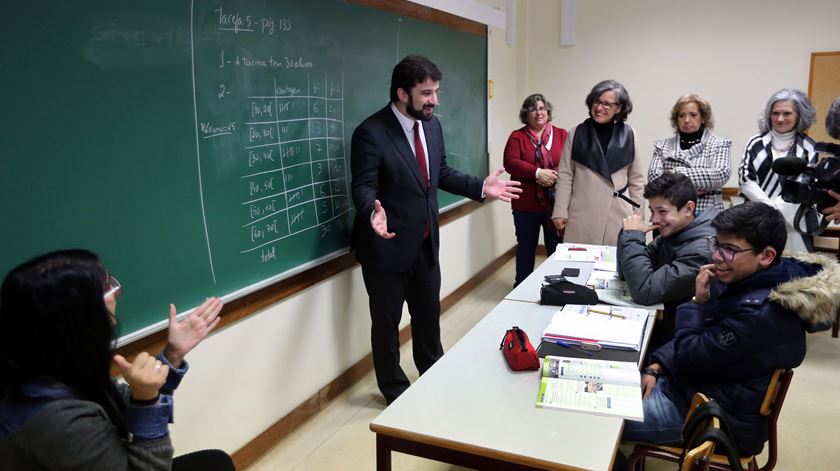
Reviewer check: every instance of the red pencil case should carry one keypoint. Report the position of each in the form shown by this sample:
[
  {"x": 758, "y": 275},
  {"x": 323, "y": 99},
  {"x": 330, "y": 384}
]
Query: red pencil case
[{"x": 518, "y": 350}]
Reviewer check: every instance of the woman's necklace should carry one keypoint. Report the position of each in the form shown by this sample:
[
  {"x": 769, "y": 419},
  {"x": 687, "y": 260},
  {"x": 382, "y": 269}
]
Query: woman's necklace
[
  {"x": 786, "y": 140},
  {"x": 690, "y": 142},
  {"x": 781, "y": 150}
]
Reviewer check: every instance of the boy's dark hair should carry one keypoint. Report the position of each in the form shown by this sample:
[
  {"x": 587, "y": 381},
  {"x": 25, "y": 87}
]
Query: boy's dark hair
[
  {"x": 410, "y": 71},
  {"x": 758, "y": 223},
  {"x": 674, "y": 187}
]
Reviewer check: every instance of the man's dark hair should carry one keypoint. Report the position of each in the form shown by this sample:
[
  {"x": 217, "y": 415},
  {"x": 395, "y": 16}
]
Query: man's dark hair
[
  {"x": 760, "y": 224},
  {"x": 674, "y": 187},
  {"x": 411, "y": 71}
]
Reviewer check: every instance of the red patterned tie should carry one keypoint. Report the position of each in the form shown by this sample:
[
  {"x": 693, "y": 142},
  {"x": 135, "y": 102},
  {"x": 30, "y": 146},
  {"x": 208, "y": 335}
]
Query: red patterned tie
[
  {"x": 420, "y": 154},
  {"x": 421, "y": 162}
]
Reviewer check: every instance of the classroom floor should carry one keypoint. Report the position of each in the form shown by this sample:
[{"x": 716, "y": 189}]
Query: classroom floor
[{"x": 339, "y": 437}]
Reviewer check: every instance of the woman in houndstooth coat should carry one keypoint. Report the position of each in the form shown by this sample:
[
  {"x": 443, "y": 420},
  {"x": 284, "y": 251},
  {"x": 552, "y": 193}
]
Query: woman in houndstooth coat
[{"x": 694, "y": 151}]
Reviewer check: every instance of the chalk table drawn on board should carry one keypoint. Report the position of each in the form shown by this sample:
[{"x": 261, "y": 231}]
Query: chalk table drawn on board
[{"x": 280, "y": 145}]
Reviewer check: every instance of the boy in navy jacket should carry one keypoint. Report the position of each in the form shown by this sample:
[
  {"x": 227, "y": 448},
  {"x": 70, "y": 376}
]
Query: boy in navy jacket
[{"x": 748, "y": 317}]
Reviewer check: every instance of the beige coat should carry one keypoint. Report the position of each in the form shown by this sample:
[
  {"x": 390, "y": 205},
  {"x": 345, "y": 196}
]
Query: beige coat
[{"x": 586, "y": 199}]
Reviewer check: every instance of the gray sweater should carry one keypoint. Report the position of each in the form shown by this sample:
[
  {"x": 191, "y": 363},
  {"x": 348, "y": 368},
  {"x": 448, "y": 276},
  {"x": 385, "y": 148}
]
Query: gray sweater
[
  {"x": 73, "y": 434},
  {"x": 51, "y": 429},
  {"x": 664, "y": 270}
]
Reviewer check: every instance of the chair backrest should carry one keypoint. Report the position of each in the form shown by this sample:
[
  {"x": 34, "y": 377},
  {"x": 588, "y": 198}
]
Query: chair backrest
[
  {"x": 776, "y": 391},
  {"x": 772, "y": 406}
]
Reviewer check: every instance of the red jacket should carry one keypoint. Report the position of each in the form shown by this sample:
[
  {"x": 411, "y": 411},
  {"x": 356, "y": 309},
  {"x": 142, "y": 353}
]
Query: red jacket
[{"x": 520, "y": 163}]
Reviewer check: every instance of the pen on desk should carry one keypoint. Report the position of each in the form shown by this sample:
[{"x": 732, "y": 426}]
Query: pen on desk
[
  {"x": 559, "y": 342},
  {"x": 577, "y": 249},
  {"x": 605, "y": 313}
]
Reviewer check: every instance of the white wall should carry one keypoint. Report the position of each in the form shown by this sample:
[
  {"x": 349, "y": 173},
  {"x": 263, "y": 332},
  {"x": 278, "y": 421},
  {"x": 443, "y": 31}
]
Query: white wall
[
  {"x": 248, "y": 375},
  {"x": 735, "y": 53}
]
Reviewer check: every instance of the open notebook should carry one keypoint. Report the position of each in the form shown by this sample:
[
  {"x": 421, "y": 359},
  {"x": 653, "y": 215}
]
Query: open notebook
[{"x": 602, "y": 324}]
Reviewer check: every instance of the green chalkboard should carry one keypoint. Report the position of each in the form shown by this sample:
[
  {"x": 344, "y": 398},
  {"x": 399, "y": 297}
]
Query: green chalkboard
[{"x": 201, "y": 147}]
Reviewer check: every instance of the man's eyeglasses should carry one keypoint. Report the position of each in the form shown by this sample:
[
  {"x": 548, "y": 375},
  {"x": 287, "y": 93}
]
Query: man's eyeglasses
[
  {"x": 726, "y": 253},
  {"x": 113, "y": 287},
  {"x": 604, "y": 104}
]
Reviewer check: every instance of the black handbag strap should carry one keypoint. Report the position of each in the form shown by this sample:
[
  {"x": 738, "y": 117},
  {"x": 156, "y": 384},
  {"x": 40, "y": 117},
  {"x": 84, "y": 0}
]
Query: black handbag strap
[
  {"x": 692, "y": 439},
  {"x": 721, "y": 440},
  {"x": 703, "y": 412}
]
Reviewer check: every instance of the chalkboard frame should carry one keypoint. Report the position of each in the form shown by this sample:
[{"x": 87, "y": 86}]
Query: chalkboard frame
[{"x": 273, "y": 293}]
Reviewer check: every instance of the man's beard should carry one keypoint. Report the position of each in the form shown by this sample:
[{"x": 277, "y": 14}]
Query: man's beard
[{"x": 415, "y": 113}]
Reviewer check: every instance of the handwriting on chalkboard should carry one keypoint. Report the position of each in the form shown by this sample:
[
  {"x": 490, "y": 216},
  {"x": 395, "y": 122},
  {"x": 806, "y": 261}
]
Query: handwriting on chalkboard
[
  {"x": 272, "y": 129},
  {"x": 237, "y": 23}
]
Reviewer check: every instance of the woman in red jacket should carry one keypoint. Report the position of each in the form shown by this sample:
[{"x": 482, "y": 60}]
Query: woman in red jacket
[{"x": 531, "y": 157}]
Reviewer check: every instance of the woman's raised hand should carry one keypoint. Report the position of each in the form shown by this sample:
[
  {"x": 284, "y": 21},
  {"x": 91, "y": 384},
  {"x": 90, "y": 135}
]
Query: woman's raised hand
[{"x": 185, "y": 334}]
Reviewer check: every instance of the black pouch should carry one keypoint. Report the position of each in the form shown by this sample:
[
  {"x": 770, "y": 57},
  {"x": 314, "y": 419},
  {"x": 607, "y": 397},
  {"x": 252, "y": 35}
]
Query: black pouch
[{"x": 561, "y": 292}]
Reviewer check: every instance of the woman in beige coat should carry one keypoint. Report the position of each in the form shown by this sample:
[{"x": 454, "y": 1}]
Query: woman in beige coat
[{"x": 599, "y": 179}]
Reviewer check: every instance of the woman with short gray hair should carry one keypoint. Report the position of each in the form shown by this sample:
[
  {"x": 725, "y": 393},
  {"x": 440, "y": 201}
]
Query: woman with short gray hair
[{"x": 782, "y": 126}]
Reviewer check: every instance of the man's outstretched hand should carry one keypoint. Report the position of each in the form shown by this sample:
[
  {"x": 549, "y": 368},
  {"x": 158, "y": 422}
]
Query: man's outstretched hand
[
  {"x": 505, "y": 190},
  {"x": 379, "y": 221}
]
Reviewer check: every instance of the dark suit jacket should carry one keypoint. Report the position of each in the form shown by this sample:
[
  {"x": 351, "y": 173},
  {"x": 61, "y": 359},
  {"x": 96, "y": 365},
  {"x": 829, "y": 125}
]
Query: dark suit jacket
[{"x": 385, "y": 168}]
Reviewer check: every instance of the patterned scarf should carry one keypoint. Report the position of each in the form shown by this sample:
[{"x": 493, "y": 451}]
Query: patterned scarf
[{"x": 542, "y": 156}]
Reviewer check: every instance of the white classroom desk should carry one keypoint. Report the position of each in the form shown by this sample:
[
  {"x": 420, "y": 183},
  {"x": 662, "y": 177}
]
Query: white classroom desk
[{"x": 470, "y": 409}]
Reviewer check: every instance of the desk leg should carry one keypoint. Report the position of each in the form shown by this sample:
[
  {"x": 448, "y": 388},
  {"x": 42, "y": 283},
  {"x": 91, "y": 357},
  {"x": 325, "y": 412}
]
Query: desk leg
[{"x": 383, "y": 453}]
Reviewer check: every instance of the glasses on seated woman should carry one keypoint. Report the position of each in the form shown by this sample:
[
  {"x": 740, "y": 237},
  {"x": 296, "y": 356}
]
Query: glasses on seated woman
[{"x": 112, "y": 287}]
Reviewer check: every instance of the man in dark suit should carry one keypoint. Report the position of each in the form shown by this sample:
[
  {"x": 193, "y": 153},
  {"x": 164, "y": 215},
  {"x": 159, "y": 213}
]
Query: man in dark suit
[{"x": 398, "y": 162}]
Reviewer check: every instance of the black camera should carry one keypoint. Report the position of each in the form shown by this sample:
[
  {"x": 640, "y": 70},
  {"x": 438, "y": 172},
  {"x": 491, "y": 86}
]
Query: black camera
[{"x": 808, "y": 186}]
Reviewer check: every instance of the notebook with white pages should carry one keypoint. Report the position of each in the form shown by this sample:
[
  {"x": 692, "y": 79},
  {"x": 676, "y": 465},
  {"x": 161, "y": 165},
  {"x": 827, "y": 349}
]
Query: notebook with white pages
[{"x": 608, "y": 326}]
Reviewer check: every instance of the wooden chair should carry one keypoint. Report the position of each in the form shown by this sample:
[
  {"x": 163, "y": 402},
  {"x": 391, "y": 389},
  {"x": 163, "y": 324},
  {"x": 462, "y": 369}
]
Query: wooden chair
[
  {"x": 771, "y": 406},
  {"x": 696, "y": 459}
]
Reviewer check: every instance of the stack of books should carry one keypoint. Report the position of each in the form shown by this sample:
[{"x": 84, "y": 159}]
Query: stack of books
[{"x": 601, "y": 324}]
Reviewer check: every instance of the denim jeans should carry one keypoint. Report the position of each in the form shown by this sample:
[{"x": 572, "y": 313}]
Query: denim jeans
[
  {"x": 662, "y": 425},
  {"x": 663, "y": 420}
]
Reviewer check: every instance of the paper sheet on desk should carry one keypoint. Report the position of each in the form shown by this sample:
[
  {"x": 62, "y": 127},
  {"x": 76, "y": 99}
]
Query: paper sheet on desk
[
  {"x": 585, "y": 253},
  {"x": 613, "y": 290}
]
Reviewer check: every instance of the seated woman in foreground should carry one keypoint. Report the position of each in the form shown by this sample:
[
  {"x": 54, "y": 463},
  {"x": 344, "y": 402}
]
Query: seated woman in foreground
[{"x": 59, "y": 406}]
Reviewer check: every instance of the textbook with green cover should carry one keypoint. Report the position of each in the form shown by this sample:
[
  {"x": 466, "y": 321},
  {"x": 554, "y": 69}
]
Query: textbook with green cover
[{"x": 600, "y": 387}]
